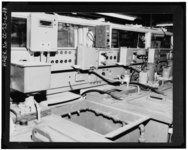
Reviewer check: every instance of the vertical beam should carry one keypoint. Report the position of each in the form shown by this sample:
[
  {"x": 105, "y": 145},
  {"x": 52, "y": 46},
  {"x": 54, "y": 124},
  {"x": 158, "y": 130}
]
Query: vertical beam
[
  {"x": 172, "y": 43},
  {"x": 148, "y": 40}
]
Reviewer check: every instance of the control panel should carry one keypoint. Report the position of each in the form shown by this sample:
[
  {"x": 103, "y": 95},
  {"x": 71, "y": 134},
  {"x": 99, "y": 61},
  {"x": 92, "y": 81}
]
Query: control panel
[
  {"x": 163, "y": 54},
  {"x": 102, "y": 36},
  {"x": 153, "y": 55},
  {"x": 87, "y": 57},
  {"x": 63, "y": 60},
  {"x": 126, "y": 56},
  {"x": 108, "y": 57},
  {"x": 75, "y": 51},
  {"x": 158, "y": 54},
  {"x": 43, "y": 32}
]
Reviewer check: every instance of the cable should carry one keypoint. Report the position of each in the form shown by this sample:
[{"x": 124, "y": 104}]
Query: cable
[
  {"x": 158, "y": 92},
  {"x": 88, "y": 33},
  {"x": 146, "y": 87},
  {"x": 153, "y": 89},
  {"x": 132, "y": 75},
  {"x": 69, "y": 100},
  {"x": 132, "y": 68},
  {"x": 102, "y": 92},
  {"x": 110, "y": 81},
  {"x": 143, "y": 66},
  {"x": 118, "y": 82}
]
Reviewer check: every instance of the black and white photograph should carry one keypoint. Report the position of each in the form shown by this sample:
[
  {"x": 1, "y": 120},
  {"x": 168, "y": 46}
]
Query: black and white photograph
[{"x": 96, "y": 77}]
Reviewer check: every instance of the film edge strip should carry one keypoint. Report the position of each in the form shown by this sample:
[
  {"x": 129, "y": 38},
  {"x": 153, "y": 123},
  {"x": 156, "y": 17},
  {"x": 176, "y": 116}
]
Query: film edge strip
[{"x": 4, "y": 37}]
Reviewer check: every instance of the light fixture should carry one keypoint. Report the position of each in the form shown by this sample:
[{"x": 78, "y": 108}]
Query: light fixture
[
  {"x": 74, "y": 13},
  {"x": 158, "y": 35},
  {"x": 164, "y": 24},
  {"x": 115, "y": 15},
  {"x": 101, "y": 19}
]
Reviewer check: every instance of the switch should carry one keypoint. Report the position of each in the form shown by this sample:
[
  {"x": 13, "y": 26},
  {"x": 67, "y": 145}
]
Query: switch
[
  {"x": 105, "y": 55},
  {"x": 104, "y": 63}
]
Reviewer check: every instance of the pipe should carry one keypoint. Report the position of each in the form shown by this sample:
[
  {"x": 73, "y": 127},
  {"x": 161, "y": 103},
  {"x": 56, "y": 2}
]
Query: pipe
[
  {"x": 124, "y": 128},
  {"x": 142, "y": 132},
  {"x": 170, "y": 133},
  {"x": 41, "y": 56},
  {"x": 48, "y": 57},
  {"x": 14, "y": 112}
]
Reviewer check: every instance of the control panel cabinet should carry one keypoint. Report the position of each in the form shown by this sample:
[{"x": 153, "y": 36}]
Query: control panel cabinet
[
  {"x": 102, "y": 36},
  {"x": 43, "y": 32}
]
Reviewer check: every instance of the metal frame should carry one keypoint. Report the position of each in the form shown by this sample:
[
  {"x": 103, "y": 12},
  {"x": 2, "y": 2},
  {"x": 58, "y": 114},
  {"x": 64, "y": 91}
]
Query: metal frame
[{"x": 86, "y": 22}]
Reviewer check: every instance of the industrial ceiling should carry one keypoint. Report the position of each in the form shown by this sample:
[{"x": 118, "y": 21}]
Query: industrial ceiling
[{"x": 148, "y": 20}]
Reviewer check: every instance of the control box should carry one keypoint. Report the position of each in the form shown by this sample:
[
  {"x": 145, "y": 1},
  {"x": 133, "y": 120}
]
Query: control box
[
  {"x": 43, "y": 32},
  {"x": 27, "y": 77},
  {"x": 152, "y": 55},
  {"x": 102, "y": 36},
  {"x": 125, "y": 56},
  {"x": 108, "y": 57},
  {"x": 87, "y": 57}
]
